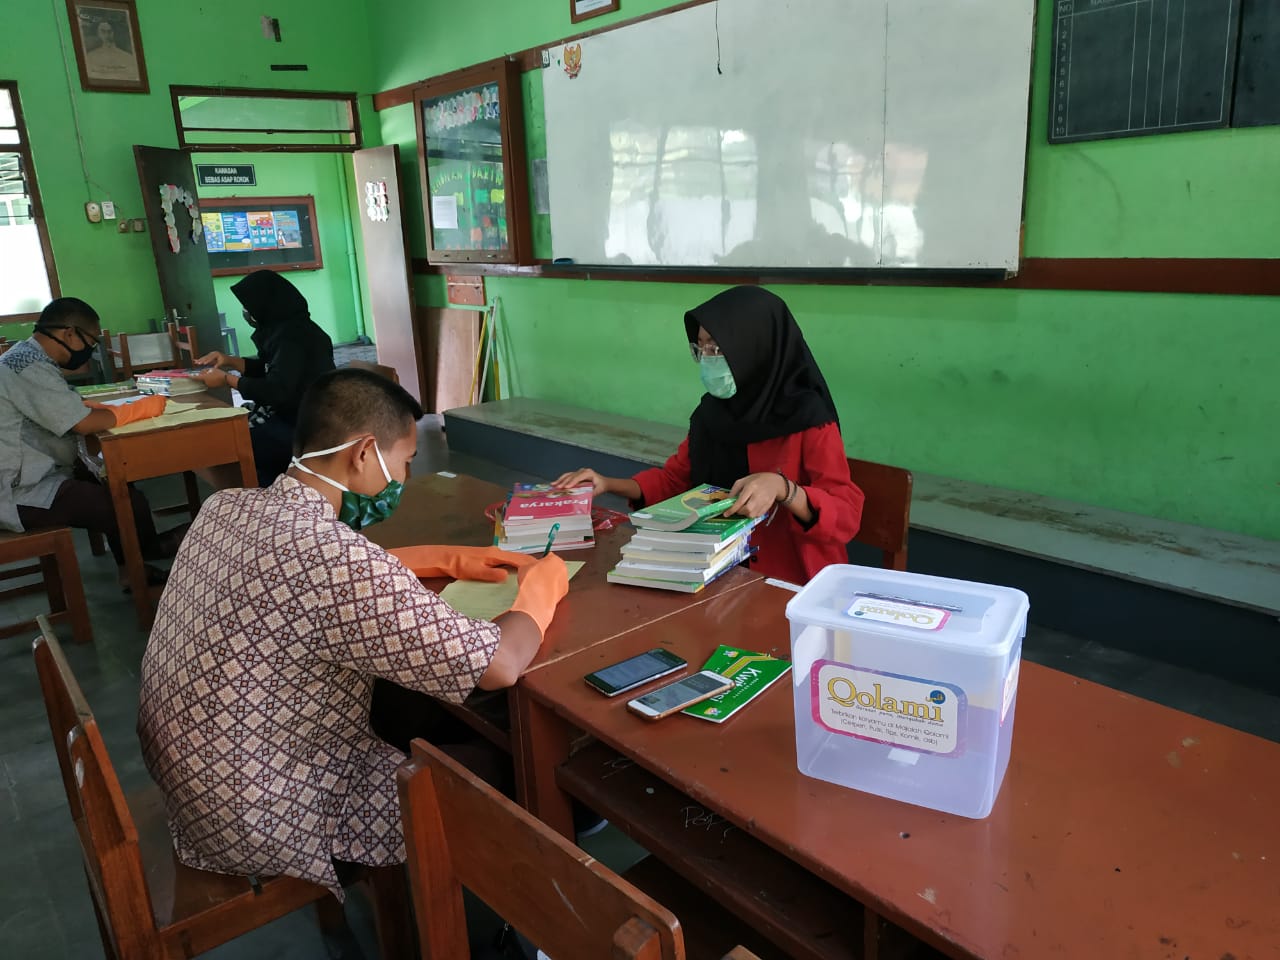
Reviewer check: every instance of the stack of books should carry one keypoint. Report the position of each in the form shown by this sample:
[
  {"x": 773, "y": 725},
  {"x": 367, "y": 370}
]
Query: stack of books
[
  {"x": 535, "y": 516},
  {"x": 170, "y": 383},
  {"x": 683, "y": 543}
]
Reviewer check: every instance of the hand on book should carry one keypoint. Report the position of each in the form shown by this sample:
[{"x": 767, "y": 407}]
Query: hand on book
[
  {"x": 462, "y": 563},
  {"x": 543, "y": 584},
  {"x": 576, "y": 478},
  {"x": 757, "y": 494}
]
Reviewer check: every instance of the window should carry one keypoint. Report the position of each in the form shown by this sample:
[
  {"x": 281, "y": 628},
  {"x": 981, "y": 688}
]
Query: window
[
  {"x": 220, "y": 119},
  {"x": 27, "y": 278}
]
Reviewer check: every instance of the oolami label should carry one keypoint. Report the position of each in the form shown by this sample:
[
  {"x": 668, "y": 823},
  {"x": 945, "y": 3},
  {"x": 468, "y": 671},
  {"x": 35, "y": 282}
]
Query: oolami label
[{"x": 908, "y": 712}]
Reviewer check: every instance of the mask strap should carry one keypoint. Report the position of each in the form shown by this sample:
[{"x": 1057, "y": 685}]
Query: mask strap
[
  {"x": 382, "y": 463},
  {"x": 297, "y": 462}
]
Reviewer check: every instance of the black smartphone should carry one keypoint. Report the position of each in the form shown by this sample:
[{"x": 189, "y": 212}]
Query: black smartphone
[{"x": 634, "y": 671}]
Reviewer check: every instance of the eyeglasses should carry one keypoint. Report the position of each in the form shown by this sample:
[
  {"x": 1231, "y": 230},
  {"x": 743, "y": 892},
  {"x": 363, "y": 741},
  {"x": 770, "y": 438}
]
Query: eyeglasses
[
  {"x": 700, "y": 350},
  {"x": 88, "y": 339}
]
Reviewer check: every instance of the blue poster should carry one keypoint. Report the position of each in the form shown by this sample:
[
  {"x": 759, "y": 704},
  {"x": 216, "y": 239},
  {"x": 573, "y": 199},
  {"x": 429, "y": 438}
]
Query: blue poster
[{"x": 235, "y": 232}]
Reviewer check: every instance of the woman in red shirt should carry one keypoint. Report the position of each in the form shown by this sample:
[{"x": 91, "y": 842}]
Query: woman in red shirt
[{"x": 766, "y": 428}]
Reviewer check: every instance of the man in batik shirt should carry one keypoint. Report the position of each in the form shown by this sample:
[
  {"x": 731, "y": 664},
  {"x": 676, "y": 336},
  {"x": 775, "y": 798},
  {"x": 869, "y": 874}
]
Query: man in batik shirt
[{"x": 278, "y": 616}]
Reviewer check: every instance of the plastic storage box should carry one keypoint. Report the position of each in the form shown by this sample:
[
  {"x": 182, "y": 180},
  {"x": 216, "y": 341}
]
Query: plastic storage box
[{"x": 905, "y": 685}]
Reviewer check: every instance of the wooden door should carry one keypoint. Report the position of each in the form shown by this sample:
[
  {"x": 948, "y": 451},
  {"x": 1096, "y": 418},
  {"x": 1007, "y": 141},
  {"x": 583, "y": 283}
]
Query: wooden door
[
  {"x": 185, "y": 281},
  {"x": 386, "y": 266}
]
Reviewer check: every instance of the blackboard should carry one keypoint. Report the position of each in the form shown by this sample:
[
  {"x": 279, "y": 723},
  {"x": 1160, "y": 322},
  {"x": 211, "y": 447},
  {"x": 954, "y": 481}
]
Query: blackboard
[
  {"x": 1257, "y": 99},
  {"x": 243, "y": 234},
  {"x": 1123, "y": 68}
]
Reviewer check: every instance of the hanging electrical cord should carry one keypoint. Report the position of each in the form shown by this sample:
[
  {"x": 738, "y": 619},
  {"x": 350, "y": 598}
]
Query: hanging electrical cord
[{"x": 89, "y": 183}]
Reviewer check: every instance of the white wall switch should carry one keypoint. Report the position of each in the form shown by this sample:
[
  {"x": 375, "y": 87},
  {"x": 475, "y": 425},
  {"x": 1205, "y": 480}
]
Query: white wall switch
[{"x": 108, "y": 210}]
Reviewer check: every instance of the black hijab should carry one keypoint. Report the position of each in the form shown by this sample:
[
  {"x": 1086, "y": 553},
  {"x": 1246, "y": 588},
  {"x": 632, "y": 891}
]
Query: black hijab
[
  {"x": 275, "y": 304},
  {"x": 780, "y": 388}
]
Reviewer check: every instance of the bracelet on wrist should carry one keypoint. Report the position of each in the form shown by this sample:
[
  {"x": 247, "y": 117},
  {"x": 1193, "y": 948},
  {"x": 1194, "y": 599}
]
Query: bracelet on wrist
[{"x": 791, "y": 488}]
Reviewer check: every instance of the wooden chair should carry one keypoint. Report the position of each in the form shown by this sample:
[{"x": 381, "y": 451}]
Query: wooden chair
[
  {"x": 886, "y": 512},
  {"x": 55, "y": 554},
  {"x": 149, "y": 905},
  {"x": 119, "y": 355},
  {"x": 183, "y": 341},
  {"x": 459, "y": 832},
  {"x": 380, "y": 369}
]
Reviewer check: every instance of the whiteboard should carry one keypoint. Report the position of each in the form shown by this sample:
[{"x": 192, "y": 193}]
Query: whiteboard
[{"x": 794, "y": 133}]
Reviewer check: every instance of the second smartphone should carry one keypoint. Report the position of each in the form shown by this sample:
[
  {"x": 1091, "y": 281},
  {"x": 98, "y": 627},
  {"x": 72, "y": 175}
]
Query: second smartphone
[{"x": 676, "y": 696}]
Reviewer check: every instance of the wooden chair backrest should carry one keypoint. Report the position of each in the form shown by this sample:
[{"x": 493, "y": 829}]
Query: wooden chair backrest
[
  {"x": 183, "y": 340},
  {"x": 108, "y": 837},
  {"x": 380, "y": 369},
  {"x": 459, "y": 832},
  {"x": 115, "y": 350},
  {"x": 886, "y": 512}
]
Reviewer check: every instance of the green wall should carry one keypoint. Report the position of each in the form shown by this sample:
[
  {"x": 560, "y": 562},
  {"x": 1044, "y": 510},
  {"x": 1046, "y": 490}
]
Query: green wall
[
  {"x": 184, "y": 43},
  {"x": 1160, "y": 404},
  {"x": 334, "y": 301}
]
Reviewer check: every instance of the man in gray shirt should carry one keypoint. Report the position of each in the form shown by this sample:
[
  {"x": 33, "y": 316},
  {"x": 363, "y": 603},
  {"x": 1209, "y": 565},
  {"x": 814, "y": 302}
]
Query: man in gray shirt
[{"x": 42, "y": 481}]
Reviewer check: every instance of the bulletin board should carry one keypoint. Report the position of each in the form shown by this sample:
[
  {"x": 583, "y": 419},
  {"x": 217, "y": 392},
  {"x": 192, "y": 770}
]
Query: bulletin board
[{"x": 244, "y": 234}]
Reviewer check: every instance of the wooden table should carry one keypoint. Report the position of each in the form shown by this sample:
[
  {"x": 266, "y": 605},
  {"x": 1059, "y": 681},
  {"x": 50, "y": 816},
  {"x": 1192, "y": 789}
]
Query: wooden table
[
  {"x": 1123, "y": 829},
  {"x": 219, "y": 449},
  {"x": 439, "y": 508}
]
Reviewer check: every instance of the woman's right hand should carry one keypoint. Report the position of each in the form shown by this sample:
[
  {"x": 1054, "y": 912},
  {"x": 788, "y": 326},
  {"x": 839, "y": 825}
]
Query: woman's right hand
[
  {"x": 576, "y": 478},
  {"x": 215, "y": 358}
]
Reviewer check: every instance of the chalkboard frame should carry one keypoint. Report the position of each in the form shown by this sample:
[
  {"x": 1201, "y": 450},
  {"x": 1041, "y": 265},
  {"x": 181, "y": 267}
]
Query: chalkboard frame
[
  {"x": 244, "y": 204},
  {"x": 505, "y": 74}
]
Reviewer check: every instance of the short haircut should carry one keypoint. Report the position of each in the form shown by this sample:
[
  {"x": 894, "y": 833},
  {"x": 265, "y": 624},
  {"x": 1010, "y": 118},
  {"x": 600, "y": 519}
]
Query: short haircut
[
  {"x": 348, "y": 402},
  {"x": 68, "y": 312}
]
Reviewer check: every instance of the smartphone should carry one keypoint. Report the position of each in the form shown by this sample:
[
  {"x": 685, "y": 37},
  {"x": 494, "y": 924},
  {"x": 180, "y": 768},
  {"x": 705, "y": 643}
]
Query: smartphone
[
  {"x": 676, "y": 696},
  {"x": 635, "y": 671}
]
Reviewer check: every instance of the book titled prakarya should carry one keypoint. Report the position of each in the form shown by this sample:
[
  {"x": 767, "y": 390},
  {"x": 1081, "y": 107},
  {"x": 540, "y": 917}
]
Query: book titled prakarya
[{"x": 752, "y": 673}]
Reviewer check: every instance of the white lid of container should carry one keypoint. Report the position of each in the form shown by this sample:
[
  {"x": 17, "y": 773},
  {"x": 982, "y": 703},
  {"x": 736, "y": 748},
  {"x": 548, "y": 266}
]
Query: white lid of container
[{"x": 969, "y": 617}]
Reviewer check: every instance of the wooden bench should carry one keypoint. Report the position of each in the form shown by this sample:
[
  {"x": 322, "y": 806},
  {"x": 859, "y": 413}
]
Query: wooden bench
[{"x": 55, "y": 554}]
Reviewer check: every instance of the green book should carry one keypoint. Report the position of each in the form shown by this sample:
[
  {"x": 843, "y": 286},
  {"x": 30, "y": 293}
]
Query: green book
[
  {"x": 752, "y": 674},
  {"x": 685, "y": 509}
]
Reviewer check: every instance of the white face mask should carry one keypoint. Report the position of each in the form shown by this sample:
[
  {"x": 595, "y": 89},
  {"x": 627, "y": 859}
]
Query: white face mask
[{"x": 358, "y": 510}]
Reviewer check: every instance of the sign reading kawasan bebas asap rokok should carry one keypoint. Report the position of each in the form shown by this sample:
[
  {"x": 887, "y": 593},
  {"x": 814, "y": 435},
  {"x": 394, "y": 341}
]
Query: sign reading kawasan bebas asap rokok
[{"x": 907, "y": 712}]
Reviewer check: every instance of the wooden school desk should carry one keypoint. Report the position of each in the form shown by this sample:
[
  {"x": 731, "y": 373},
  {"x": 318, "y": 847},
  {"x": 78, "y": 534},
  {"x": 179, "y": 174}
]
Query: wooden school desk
[
  {"x": 451, "y": 509},
  {"x": 1123, "y": 829},
  {"x": 219, "y": 449}
]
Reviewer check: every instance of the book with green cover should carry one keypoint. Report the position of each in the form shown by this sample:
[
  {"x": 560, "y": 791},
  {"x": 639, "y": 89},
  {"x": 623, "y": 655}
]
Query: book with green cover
[
  {"x": 752, "y": 673},
  {"x": 685, "y": 509}
]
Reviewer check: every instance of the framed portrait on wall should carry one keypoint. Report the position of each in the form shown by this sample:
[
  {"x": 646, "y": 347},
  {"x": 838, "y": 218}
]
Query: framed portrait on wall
[
  {"x": 108, "y": 45},
  {"x": 585, "y": 9}
]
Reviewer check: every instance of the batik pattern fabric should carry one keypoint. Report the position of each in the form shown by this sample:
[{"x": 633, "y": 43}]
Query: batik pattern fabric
[{"x": 257, "y": 682}]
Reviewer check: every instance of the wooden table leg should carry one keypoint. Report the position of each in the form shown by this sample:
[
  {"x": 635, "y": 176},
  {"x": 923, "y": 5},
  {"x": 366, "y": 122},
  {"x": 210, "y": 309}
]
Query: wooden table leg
[
  {"x": 123, "y": 507},
  {"x": 539, "y": 744}
]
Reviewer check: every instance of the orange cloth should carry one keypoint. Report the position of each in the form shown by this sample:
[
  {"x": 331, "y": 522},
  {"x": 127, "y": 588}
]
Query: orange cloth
[
  {"x": 542, "y": 585},
  {"x": 461, "y": 563}
]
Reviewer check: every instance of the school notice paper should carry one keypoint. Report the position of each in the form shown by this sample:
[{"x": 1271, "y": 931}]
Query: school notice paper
[{"x": 484, "y": 601}]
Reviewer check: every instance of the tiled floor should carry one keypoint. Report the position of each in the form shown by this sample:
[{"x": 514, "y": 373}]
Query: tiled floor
[{"x": 44, "y": 908}]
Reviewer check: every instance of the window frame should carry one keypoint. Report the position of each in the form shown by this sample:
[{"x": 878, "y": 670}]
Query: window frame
[
  {"x": 23, "y": 149},
  {"x": 177, "y": 91}
]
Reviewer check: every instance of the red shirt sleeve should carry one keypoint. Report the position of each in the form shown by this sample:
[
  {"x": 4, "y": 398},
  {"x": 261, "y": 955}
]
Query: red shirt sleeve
[
  {"x": 836, "y": 498},
  {"x": 659, "y": 483}
]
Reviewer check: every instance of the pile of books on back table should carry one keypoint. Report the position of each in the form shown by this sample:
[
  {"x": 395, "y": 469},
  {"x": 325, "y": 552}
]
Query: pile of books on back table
[
  {"x": 683, "y": 543},
  {"x": 170, "y": 383},
  {"x": 535, "y": 516}
]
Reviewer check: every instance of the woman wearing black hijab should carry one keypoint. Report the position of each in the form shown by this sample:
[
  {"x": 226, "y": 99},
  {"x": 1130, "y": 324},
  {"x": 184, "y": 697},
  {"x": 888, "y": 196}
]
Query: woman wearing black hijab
[
  {"x": 767, "y": 429},
  {"x": 292, "y": 352}
]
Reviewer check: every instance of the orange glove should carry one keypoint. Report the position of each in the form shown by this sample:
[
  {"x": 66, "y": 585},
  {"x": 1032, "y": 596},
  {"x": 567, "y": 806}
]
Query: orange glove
[
  {"x": 461, "y": 563},
  {"x": 542, "y": 586},
  {"x": 144, "y": 408}
]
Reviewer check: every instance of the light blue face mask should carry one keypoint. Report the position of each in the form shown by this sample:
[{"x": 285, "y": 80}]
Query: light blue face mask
[
  {"x": 359, "y": 510},
  {"x": 717, "y": 377}
]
